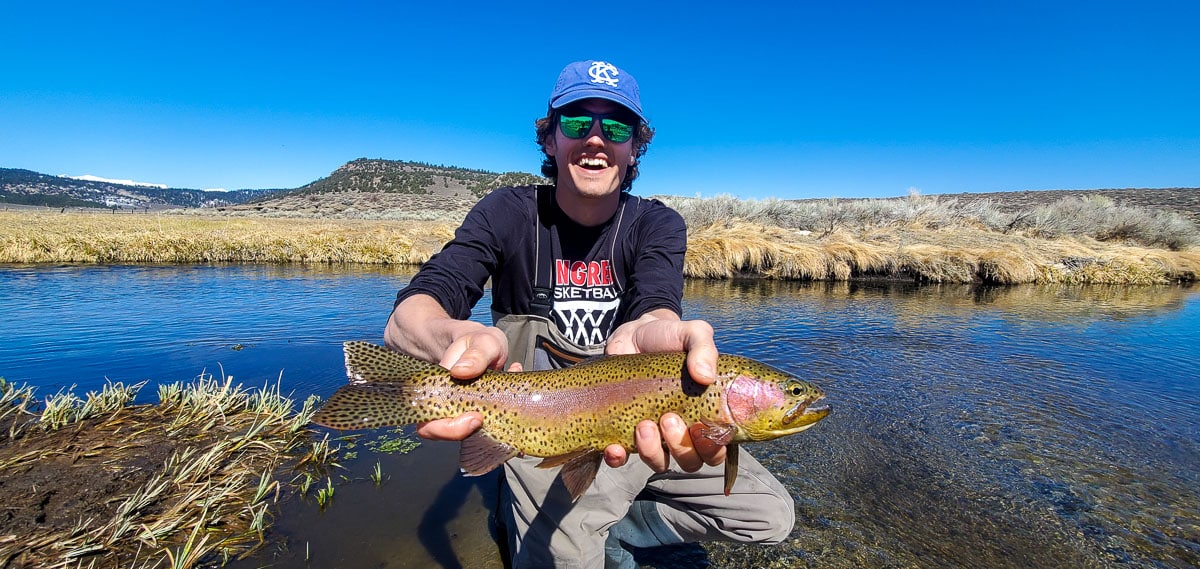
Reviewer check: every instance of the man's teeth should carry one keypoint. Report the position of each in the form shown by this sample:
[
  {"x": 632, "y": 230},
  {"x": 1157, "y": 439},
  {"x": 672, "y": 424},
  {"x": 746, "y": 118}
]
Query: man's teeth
[{"x": 593, "y": 162}]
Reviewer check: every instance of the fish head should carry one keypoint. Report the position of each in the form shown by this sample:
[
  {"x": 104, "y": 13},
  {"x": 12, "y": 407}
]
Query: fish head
[{"x": 766, "y": 403}]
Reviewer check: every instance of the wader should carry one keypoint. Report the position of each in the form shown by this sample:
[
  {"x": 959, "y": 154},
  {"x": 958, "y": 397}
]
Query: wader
[{"x": 627, "y": 506}]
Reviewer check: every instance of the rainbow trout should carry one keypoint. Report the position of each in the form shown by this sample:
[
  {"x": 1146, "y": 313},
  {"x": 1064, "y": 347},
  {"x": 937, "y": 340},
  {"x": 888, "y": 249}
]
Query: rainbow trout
[{"x": 568, "y": 416}]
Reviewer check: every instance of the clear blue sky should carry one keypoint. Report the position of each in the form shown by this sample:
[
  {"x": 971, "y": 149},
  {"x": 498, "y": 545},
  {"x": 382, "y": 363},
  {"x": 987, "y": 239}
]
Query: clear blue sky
[{"x": 753, "y": 99}]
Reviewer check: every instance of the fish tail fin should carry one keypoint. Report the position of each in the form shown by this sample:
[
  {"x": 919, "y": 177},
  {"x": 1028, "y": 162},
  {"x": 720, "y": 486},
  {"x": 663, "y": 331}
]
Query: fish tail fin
[
  {"x": 368, "y": 406},
  {"x": 367, "y": 362},
  {"x": 381, "y": 391}
]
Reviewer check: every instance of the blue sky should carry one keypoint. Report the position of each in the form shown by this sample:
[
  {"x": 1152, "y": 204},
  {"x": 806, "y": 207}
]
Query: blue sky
[{"x": 754, "y": 99}]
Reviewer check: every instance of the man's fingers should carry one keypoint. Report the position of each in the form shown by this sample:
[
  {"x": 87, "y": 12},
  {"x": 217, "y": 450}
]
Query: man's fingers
[
  {"x": 650, "y": 446},
  {"x": 710, "y": 452},
  {"x": 679, "y": 443},
  {"x": 453, "y": 429},
  {"x": 471, "y": 355},
  {"x": 702, "y": 363},
  {"x": 615, "y": 456}
]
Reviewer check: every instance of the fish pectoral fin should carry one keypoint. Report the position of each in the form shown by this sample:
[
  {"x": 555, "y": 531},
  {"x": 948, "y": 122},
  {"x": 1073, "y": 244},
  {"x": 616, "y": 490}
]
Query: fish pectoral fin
[
  {"x": 579, "y": 468},
  {"x": 731, "y": 467},
  {"x": 718, "y": 432},
  {"x": 481, "y": 454}
]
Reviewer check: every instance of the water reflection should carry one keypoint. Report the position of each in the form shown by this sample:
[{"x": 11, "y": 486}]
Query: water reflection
[
  {"x": 1030, "y": 426},
  {"x": 973, "y": 426}
]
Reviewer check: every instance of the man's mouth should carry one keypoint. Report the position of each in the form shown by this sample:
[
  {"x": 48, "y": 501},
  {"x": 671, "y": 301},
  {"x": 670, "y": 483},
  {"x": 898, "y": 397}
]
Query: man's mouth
[{"x": 595, "y": 163}]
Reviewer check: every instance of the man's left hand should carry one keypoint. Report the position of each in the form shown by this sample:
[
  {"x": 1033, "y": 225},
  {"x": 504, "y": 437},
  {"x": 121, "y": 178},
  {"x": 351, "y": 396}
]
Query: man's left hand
[{"x": 663, "y": 331}]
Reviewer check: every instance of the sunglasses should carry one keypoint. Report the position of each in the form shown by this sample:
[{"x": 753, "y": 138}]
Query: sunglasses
[{"x": 579, "y": 127}]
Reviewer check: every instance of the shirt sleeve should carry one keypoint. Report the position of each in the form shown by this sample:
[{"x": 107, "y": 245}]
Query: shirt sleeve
[
  {"x": 658, "y": 247},
  {"x": 456, "y": 275}
]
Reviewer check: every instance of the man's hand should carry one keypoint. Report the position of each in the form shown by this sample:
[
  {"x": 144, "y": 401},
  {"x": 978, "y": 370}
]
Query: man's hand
[
  {"x": 663, "y": 331},
  {"x": 472, "y": 354},
  {"x": 420, "y": 326},
  {"x": 453, "y": 429}
]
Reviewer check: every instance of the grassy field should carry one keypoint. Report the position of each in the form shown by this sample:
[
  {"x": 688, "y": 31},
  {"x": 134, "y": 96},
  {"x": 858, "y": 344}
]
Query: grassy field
[
  {"x": 83, "y": 237},
  {"x": 1075, "y": 239}
]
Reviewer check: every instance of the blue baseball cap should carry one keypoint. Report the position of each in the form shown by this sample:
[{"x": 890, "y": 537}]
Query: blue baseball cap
[{"x": 596, "y": 80}]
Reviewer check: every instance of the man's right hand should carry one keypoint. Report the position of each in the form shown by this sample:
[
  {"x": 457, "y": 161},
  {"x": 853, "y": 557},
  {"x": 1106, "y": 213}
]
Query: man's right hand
[
  {"x": 453, "y": 429},
  {"x": 471, "y": 354},
  {"x": 419, "y": 326}
]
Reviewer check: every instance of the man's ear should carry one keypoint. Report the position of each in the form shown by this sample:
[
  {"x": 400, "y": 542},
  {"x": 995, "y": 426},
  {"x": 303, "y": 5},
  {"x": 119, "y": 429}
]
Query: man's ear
[{"x": 549, "y": 147}]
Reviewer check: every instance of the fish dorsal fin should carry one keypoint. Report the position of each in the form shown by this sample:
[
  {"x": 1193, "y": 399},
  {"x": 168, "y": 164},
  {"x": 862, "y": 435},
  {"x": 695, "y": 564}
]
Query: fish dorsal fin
[
  {"x": 579, "y": 468},
  {"x": 481, "y": 454}
]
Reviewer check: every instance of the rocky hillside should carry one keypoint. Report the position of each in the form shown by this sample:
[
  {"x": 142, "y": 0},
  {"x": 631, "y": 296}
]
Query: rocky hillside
[
  {"x": 392, "y": 176},
  {"x": 26, "y": 187},
  {"x": 387, "y": 189}
]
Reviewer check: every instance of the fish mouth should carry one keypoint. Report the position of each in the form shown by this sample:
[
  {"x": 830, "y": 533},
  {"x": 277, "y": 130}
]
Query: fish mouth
[{"x": 806, "y": 413}]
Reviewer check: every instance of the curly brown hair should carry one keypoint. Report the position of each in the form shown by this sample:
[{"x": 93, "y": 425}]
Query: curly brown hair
[{"x": 642, "y": 136}]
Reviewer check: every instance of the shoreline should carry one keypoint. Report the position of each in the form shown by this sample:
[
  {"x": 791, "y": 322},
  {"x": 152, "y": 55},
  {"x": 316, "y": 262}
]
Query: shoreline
[{"x": 730, "y": 247}]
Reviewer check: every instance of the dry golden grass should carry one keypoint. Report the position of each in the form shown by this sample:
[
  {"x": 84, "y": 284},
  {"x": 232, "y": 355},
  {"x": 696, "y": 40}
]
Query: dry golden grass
[
  {"x": 952, "y": 255},
  {"x": 51, "y": 237},
  {"x": 915, "y": 251}
]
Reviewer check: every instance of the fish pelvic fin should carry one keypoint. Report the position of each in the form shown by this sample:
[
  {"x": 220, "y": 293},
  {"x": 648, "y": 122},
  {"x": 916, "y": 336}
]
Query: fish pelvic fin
[
  {"x": 731, "y": 466},
  {"x": 481, "y": 454},
  {"x": 579, "y": 468}
]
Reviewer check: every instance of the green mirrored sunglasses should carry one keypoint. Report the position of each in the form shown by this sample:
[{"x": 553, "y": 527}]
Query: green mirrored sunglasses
[{"x": 580, "y": 126}]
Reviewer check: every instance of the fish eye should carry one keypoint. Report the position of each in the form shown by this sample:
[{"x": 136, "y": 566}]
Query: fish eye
[{"x": 796, "y": 390}]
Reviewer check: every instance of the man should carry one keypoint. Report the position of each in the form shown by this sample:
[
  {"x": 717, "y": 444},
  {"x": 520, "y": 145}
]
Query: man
[{"x": 578, "y": 269}]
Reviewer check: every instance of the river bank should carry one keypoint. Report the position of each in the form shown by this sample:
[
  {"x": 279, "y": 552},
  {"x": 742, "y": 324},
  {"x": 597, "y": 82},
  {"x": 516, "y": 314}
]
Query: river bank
[{"x": 1088, "y": 239}]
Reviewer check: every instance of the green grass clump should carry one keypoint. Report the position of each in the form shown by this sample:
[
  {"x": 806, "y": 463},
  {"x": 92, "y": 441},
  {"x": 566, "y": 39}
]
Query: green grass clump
[{"x": 191, "y": 479}]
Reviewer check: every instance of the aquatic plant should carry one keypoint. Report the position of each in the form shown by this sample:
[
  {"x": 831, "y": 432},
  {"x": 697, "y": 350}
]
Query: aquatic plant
[{"x": 193, "y": 477}]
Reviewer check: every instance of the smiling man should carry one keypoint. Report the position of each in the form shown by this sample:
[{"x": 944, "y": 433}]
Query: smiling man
[{"x": 578, "y": 269}]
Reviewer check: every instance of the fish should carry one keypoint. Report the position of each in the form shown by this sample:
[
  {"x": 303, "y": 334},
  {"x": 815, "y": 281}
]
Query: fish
[{"x": 568, "y": 416}]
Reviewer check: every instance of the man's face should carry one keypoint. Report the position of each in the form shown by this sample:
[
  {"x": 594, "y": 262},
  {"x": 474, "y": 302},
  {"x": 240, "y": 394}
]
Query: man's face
[{"x": 592, "y": 166}]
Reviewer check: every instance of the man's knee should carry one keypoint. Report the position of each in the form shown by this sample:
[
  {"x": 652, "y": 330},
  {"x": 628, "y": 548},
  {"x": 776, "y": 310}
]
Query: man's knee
[{"x": 782, "y": 512}]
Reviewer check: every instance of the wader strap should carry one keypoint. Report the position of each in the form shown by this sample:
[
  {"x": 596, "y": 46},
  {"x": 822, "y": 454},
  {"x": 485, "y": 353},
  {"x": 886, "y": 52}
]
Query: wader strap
[{"x": 543, "y": 271}]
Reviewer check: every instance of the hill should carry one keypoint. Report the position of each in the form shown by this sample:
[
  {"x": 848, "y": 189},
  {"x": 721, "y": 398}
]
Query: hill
[
  {"x": 360, "y": 188},
  {"x": 377, "y": 188},
  {"x": 26, "y": 187}
]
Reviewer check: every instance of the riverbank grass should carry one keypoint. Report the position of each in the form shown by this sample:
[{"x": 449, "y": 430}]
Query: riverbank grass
[
  {"x": 97, "y": 482},
  {"x": 1077, "y": 240},
  {"x": 951, "y": 255},
  {"x": 82, "y": 237}
]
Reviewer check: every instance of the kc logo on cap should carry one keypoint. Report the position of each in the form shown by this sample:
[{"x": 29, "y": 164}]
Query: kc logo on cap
[{"x": 604, "y": 72}]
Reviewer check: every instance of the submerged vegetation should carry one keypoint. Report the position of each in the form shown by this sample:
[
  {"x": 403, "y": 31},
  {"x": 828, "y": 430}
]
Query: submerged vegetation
[
  {"x": 97, "y": 482},
  {"x": 1080, "y": 239}
]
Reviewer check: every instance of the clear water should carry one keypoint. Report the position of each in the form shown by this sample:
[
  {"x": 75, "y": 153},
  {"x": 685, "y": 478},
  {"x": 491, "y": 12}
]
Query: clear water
[{"x": 972, "y": 427}]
